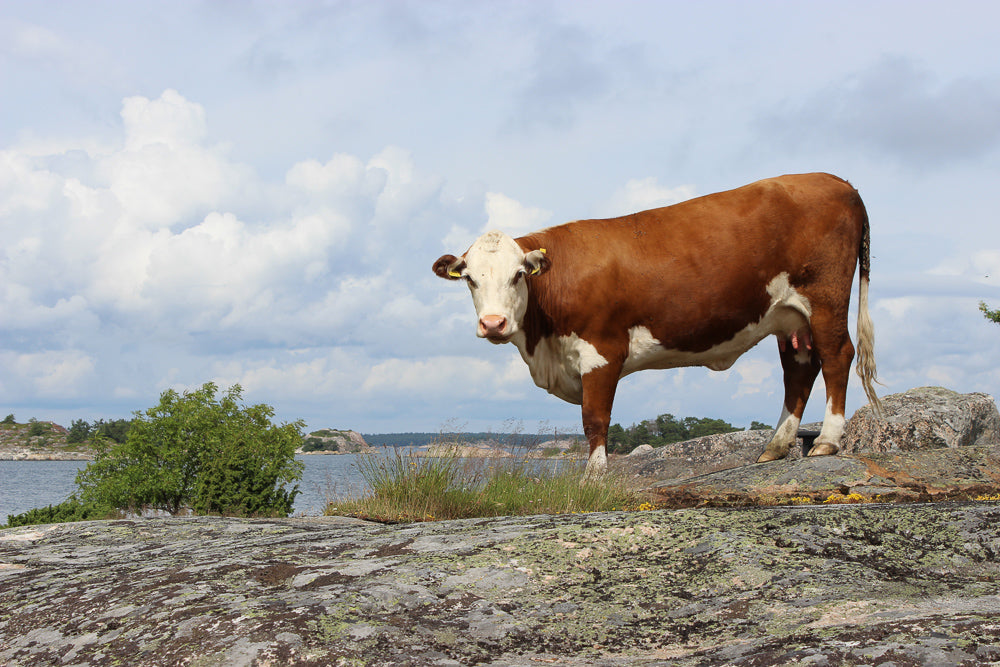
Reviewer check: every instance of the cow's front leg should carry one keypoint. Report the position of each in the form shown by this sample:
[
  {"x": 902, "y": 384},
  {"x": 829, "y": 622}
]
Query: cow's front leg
[{"x": 599, "y": 387}]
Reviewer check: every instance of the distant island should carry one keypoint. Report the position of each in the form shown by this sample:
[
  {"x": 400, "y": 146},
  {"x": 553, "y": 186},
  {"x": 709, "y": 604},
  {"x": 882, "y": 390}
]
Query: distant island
[
  {"x": 48, "y": 441},
  {"x": 505, "y": 440},
  {"x": 39, "y": 441},
  {"x": 333, "y": 441}
]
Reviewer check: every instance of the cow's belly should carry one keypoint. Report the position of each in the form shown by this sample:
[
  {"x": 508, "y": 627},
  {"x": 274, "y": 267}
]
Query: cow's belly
[{"x": 788, "y": 312}]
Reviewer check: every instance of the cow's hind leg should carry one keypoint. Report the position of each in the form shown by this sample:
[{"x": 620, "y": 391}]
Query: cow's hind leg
[
  {"x": 800, "y": 365},
  {"x": 833, "y": 344},
  {"x": 837, "y": 360}
]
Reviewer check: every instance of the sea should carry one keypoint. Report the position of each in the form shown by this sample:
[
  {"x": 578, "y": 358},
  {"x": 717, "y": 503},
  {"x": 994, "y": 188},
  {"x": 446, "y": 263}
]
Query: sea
[{"x": 25, "y": 485}]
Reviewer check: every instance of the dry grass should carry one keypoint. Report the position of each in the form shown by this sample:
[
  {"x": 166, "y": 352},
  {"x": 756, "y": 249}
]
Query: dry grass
[{"x": 406, "y": 488}]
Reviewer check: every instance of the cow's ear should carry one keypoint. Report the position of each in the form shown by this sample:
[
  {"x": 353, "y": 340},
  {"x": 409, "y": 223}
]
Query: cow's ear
[
  {"x": 537, "y": 262},
  {"x": 449, "y": 267}
]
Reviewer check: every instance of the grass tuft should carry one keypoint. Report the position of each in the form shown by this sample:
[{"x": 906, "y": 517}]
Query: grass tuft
[{"x": 408, "y": 488}]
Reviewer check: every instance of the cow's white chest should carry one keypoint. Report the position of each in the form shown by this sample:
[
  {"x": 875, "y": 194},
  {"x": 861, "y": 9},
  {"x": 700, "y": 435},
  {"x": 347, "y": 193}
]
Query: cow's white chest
[{"x": 558, "y": 364}]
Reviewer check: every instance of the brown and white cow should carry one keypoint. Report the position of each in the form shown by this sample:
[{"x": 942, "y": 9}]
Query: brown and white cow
[{"x": 695, "y": 284}]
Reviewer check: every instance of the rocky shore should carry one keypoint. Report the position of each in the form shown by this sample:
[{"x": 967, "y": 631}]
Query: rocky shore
[
  {"x": 49, "y": 443},
  {"x": 915, "y": 584}
]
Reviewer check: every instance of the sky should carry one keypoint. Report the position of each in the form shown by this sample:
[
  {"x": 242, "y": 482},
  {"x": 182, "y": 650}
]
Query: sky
[{"x": 254, "y": 192}]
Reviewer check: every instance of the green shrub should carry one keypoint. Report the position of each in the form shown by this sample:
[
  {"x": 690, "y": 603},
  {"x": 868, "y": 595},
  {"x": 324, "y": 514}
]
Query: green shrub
[
  {"x": 79, "y": 431},
  {"x": 115, "y": 429},
  {"x": 193, "y": 450},
  {"x": 36, "y": 428},
  {"x": 313, "y": 444},
  {"x": 9, "y": 419},
  {"x": 69, "y": 510}
]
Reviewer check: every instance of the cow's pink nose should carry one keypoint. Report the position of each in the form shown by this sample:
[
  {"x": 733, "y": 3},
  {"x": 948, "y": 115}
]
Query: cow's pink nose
[{"x": 493, "y": 326}]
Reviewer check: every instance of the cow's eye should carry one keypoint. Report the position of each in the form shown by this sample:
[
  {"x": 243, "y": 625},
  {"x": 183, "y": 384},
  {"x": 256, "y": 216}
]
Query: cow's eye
[{"x": 517, "y": 277}]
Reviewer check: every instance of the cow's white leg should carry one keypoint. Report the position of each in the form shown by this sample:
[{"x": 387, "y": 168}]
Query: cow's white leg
[
  {"x": 597, "y": 464},
  {"x": 799, "y": 366},
  {"x": 828, "y": 441},
  {"x": 784, "y": 436}
]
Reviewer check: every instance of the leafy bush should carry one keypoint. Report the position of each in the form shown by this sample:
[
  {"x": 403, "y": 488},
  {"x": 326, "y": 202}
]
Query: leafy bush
[
  {"x": 115, "y": 429},
  {"x": 69, "y": 510},
  {"x": 193, "y": 450},
  {"x": 314, "y": 444},
  {"x": 79, "y": 431},
  {"x": 9, "y": 419},
  {"x": 37, "y": 428},
  {"x": 988, "y": 313}
]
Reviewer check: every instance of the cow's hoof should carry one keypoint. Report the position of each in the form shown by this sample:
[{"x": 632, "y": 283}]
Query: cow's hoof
[
  {"x": 823, "y": 449},
  {"x": 769, "y": 456}
]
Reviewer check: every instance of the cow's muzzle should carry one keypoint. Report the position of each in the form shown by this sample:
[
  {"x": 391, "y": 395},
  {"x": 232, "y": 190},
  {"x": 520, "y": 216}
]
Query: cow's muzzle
[{"x": 493, "y": 328}]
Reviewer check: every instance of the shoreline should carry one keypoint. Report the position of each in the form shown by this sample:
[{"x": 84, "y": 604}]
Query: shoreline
[{"x": 25, "y": 455}]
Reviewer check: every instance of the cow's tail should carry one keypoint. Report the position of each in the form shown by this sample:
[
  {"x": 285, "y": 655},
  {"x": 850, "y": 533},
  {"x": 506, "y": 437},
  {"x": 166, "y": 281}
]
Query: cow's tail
[{"x": 865, "y": 366}]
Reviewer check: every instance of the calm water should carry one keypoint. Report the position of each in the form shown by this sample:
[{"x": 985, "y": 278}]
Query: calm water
[{"x": 25, "y": 485}]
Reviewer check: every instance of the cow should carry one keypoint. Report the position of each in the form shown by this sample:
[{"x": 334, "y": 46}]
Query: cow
[{"x": 693, "y": 284}]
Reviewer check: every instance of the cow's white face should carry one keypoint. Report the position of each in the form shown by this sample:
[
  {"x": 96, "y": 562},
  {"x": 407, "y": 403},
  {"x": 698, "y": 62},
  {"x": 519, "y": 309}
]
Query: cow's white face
[{"x": 496, "y": 270}]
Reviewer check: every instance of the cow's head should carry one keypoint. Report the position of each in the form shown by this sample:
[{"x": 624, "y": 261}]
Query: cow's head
[{"x": 497, "y": 271}]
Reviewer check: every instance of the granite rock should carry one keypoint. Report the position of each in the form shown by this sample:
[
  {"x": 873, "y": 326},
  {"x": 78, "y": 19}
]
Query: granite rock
[
  {"x": 924, "y": 418},
  {"x": 907, "y": 584}
]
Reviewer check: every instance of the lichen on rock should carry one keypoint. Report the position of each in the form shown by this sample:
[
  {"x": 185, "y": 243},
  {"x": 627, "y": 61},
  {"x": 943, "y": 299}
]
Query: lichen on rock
[{"x": 684, "y": 587}]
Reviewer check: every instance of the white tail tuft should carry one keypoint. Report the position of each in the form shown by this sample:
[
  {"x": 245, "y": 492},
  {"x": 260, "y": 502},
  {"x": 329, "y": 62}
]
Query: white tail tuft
[{"x": 865, "y": 367}]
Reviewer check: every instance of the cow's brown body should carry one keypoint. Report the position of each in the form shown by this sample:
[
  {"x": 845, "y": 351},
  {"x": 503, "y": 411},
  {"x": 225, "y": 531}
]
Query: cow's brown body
[{"x": 698, "y": 283}]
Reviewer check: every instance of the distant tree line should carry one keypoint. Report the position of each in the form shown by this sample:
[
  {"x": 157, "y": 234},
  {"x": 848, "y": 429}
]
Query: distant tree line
[
  {"x": 114, "y": 429},
  {"x": 80, "y": 430},
  {"x": 422, "y": 439},
  {"x": 666, "y": 429}
]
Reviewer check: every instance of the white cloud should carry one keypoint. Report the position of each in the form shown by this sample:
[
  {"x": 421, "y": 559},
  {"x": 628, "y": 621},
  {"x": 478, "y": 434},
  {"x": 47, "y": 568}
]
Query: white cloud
[
  {"x": 756, "y": 375},
  {"x": 165, "y": 173},
  {"x": 341, "y": 175},
  {"x": 640, "y": 194},
  {"x": 512, "y": 217},
  {"x": 136, "y": 248},
  {"x": 169, "y": 120},
  {"x": 51, "y": 374}
]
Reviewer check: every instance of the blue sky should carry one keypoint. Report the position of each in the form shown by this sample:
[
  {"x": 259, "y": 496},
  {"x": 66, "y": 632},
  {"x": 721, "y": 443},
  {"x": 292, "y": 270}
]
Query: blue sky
[{"x": 254, "y": 192}]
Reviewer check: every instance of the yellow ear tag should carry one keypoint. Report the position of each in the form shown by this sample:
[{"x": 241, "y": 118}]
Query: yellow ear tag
[
  {"x": 454, "y": 274},
  {"x": 535, "y": 271}
]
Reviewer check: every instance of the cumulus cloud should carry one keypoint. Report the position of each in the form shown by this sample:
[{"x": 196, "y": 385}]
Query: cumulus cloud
[
  {"x": 161, "y": 243},
  {"x": 49, "y": 374},
  {"x": 513, "y": 217},
  {"x": 640, "y": 194},
  {"x": 503, "y": 213},
  {"x": 756, "y": 375}
]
